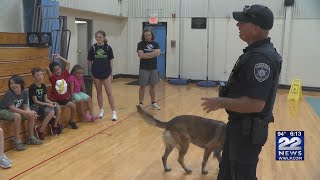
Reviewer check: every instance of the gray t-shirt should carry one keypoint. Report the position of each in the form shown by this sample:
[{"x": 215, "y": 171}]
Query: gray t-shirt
[{"x": 10, "y": 98}]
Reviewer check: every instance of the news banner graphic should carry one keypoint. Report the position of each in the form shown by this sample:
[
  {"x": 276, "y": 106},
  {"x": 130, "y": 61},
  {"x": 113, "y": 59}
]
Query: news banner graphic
[{"x": 290, "y": 145}]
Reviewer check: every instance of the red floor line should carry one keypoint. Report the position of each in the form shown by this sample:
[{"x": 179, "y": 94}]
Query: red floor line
[
  {"x": 105, "y": 133},
  {"x": 113, "y": 125}
]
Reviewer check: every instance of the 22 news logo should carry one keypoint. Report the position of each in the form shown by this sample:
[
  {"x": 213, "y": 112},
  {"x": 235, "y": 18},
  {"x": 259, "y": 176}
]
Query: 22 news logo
[{"x": 290, "y": 145}]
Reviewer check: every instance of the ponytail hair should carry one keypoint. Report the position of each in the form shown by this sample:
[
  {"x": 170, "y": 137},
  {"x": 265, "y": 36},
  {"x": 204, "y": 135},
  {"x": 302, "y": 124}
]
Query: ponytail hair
[
  {"x": 103, "y": 34},
  {"x": 76, "y": 68}
]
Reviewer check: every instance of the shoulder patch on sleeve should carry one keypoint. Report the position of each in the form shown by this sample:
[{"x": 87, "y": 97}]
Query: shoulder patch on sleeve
[{"x": 261, "y": 71}]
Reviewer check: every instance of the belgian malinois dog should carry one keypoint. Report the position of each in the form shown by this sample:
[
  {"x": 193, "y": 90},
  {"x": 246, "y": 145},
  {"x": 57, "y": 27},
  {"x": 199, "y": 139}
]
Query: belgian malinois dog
[{"x": 185, "y": 129}]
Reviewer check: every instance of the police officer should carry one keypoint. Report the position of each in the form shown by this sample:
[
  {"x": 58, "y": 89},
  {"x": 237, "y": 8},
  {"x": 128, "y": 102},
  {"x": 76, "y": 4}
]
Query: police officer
[{"x": 249, "y": 95}]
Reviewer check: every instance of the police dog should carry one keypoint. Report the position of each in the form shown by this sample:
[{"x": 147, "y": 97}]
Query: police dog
[{"x": 181, "y": 130}]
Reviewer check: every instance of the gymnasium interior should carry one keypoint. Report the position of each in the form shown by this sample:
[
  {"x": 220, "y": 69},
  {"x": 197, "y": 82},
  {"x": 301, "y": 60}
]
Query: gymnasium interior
[{"x": 199, "y": 46}]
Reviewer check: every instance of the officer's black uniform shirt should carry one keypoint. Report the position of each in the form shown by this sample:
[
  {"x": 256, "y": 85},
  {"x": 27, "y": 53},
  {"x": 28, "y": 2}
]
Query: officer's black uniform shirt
[{"x": 255, "y": 75}]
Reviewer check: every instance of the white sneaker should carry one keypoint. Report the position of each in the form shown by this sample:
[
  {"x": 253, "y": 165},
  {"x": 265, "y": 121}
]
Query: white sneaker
[
  {"x": 4, "y": 155},
  {"x": 101, "y": 113},
  {"x": 114, "y": 116},
  {"x": 156, "y": 106},
  {"x": 4, "y": 162}
]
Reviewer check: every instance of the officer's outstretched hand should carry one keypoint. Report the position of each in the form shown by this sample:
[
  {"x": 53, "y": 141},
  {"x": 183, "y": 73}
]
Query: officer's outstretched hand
[{"x": 210, "y": 104}]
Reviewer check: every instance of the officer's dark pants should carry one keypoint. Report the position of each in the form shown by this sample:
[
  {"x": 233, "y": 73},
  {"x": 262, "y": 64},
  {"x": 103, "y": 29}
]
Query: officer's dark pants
[{"x": 240, "y": 156}]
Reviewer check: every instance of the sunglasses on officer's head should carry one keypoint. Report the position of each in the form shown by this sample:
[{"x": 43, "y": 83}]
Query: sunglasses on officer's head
[{"x": 245, "y": 10}]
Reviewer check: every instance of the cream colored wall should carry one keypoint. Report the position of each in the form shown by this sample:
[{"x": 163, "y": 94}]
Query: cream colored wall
[
  {"x": 224, "y": 47},
  {"x": 11, "y": 16},
  {"x": 134, "y": 37},
  {"x": 110, "y": 7},
  {"x": 116, "y": 31},
  {"x": 304, "y": 52}
]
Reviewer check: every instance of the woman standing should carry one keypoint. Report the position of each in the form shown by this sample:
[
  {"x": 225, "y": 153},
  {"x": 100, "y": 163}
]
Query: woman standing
[{"x": 100, "y": 59}]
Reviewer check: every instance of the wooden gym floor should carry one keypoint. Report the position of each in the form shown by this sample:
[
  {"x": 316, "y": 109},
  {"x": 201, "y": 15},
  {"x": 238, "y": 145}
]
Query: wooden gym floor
[{"x": 131, "y": 149}]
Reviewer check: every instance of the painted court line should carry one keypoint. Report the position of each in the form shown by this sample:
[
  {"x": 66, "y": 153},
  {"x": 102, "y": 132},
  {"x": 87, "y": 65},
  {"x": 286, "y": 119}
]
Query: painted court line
[{"x": 100, "y": 132}]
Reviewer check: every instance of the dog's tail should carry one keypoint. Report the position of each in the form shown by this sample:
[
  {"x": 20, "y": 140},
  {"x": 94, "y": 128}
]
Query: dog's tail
[{"x": 151, "y": 119}]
